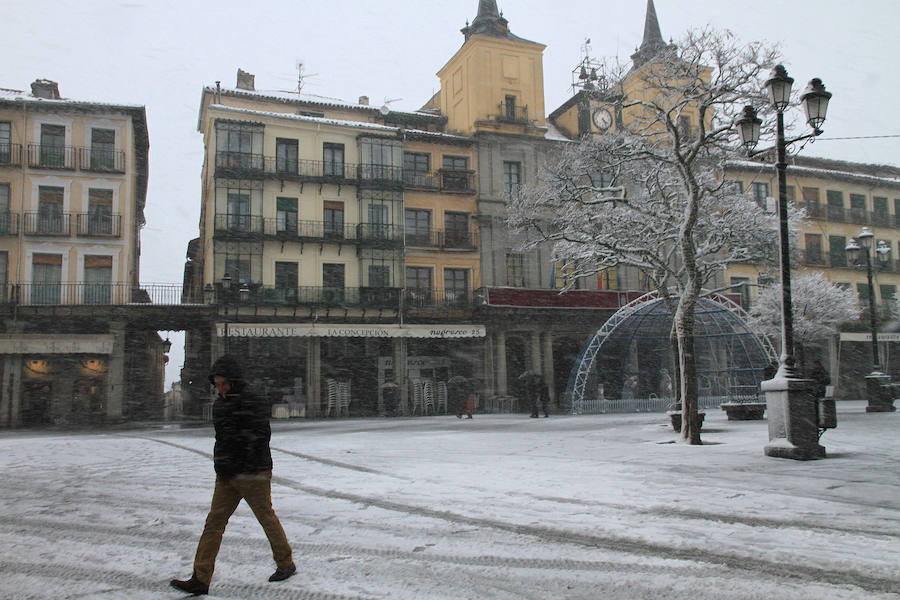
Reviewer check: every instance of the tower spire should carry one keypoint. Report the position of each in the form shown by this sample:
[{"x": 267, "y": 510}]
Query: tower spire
[
  {"x": 489, "y": 21},
  {"x": 653, "y": 41}
]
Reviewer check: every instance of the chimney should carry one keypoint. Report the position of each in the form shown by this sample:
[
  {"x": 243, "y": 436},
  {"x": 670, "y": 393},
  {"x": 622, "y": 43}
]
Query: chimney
[
  {"x": 364, "y": 100},
  {"x": 246, "y": 81},
  {"x": 44, "y": 88}
]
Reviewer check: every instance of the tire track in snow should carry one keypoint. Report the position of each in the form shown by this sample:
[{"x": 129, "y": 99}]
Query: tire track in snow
[{"x": 614, "y": 543}]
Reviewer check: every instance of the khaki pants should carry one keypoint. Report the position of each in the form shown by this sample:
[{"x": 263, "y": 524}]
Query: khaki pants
[{"x": 257, "y": 491}]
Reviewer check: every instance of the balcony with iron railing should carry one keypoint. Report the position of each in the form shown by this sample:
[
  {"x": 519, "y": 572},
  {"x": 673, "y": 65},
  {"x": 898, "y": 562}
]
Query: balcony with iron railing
[
  {"x": 45, "y": 156},
  {"x": 509, "y": 113},
  {"x": 58, "y": 293},
  {"x": 856, "y": 216},
  {"x": 428, "y": 300},
  {"x": 55, "y": 224},
  {"x": 9, "y": 224},
  {"x": 101, "y": 160},
  {"x": 434, "y": 238},
  {"x": 370, "y": 234},
  {"x": 445, "y": 180},
  {"x": 99, "y": 225},
  {"x": 311, "y": 170},
  {"x": 322, "y": 296},
  {"x": 10, "y": 155}
]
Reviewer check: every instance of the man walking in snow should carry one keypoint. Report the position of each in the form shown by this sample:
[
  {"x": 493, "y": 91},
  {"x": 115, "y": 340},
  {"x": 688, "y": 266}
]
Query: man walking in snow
[{"x": 243, "y": 465}]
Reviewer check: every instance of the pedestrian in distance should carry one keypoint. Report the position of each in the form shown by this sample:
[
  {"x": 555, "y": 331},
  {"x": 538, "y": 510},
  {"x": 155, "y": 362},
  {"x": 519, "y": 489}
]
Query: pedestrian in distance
[
  {"x": 545, "y": 399},
  {"x": 820, "y": 379},
  {"x": 243, "y": 465},
  {"x": 460, "y": 391},
  {"x": 537, "y": 391}
]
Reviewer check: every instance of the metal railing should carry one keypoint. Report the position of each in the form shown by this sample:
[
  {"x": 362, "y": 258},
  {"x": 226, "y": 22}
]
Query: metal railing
[
  {"x": 319, "y": 231},
  {"x": 416, "y": 299},
  {"x": 53, "y": 293},
  {"x": 246, "y": 164},
  {"x": 337, "y": 297},
  {"x": 99, "y": 225},
  {"x": 10, "y": 155},
  {"x": 101, "y": 160},
  {"x": 434, "y": 238},
  {"x": 509, "y": 113},
  {"x": 43, "y": 156},
  {"x": 59, "y": 224},
  {"x": 9, "y": 224}
]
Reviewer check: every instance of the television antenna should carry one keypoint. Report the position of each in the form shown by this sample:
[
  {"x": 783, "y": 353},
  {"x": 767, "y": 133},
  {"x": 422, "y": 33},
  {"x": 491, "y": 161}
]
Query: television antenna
[{"x": 386, "y": 107}]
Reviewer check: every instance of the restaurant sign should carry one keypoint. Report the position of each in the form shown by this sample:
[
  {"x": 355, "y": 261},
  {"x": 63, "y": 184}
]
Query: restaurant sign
[
  {"x": 289, "y": 330},
  {"x": 856, "y": 336}
]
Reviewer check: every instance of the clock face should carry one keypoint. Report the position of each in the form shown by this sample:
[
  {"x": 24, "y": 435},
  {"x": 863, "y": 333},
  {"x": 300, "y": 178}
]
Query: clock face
[{"x": 602, "y": 119}]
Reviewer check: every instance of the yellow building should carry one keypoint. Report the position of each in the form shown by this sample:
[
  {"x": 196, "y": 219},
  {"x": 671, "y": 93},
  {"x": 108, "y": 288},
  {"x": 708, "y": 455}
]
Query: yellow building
[
  {"x": 73, "y": 185},
  {"x": 495, "y": 81},
  {"x": 840, "y": 199}
]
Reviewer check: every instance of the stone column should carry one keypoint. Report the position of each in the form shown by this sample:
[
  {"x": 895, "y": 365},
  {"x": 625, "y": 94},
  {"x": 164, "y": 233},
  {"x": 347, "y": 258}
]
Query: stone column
[
  {"x": 313, "y": 377},
  {"x": 548, "y": 366},
  {"x": 536, "y": 352},
  {"x": 115, "y": 375},
  {"x": 15, "y": 391},
  {"x": 500, "y": 349},
  {"x": 400, "y": 354},
  {"x": 9, "y": 392}
]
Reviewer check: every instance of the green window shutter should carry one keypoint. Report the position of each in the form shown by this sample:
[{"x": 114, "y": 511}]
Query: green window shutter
[
  {"x": 837, "y": 253},
  {"x": 835, "y": 198},
  {"x": 287, "y": 204}
]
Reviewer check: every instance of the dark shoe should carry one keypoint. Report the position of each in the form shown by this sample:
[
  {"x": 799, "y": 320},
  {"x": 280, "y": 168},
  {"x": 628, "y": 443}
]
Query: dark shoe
[
  {"x": 282, "y": 574},
  {"x": 459, "y": 416},
  {"x": 190, "y": 586}
]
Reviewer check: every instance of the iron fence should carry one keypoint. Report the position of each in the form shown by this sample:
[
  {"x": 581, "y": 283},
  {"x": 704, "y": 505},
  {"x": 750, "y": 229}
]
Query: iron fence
[{"x": 54, "y": 293}]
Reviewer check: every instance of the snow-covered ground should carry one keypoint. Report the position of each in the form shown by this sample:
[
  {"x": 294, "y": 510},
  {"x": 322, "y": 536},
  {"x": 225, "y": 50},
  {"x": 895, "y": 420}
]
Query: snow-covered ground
[{"x": 497, "y": 507}]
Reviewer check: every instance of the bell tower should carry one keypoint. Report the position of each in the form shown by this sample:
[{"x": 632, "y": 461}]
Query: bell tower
[{"x": 495, "y": 81}]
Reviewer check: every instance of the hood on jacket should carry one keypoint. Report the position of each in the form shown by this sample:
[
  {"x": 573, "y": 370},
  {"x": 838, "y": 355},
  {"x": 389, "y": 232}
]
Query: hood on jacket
[{"x": 226, "y": 366}]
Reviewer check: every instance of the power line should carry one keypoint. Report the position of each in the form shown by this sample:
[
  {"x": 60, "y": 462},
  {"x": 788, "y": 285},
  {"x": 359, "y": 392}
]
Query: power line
[{"x": 862, "y": 137}]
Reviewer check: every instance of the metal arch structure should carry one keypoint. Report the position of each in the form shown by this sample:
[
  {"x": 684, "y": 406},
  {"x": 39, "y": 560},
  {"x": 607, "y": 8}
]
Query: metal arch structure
[
  {"x": 578, "y": 377},
  {"x": 736, "y": 308}
]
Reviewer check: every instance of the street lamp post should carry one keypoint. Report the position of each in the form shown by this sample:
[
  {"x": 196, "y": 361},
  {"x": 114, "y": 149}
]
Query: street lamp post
[
  {"x": 792, "y": 411},
  {"x": 879, "y": 400}
]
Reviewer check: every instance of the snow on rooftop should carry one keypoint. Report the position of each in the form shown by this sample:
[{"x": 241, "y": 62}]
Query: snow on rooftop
[
  {"x": 21, "y": 95},
  {"x": 287, "y": 96},
  {"x": 749, "y": 164},
  {"x": 336, "y": 122}
]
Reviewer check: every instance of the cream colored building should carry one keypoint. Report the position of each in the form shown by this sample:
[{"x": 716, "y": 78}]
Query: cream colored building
[
  {"x": 346, "y": 228},
  {"x": 73, "y": 185}
]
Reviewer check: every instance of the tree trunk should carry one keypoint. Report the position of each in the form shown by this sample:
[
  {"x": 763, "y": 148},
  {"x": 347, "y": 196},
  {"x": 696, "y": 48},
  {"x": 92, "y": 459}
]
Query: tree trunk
[
  {"x": 676, "y": 364},
  {"x": 684, "y": 323}
]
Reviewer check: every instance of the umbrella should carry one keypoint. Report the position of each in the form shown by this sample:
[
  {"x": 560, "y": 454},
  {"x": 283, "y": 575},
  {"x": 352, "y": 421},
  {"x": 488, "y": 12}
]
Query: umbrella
[
  {"x": 388, "y": 385},
  {"x": 530, "y": 375}
]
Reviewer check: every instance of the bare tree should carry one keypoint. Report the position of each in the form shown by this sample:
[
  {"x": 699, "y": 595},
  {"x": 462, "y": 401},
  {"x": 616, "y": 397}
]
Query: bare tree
[{"x": 652, "y": 194}]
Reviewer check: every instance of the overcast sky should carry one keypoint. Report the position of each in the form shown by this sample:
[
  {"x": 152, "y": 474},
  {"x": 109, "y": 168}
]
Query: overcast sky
[{"x": 159, "y": 53}]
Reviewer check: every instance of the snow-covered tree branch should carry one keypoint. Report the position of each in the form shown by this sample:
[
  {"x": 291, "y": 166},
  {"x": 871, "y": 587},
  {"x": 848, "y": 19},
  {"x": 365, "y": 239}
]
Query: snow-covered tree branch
[{"x": 651, "y": 194}]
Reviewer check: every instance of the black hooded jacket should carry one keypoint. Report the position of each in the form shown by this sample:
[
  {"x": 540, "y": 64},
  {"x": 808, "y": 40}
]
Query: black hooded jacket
[{"x": 242, "y": 426}]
